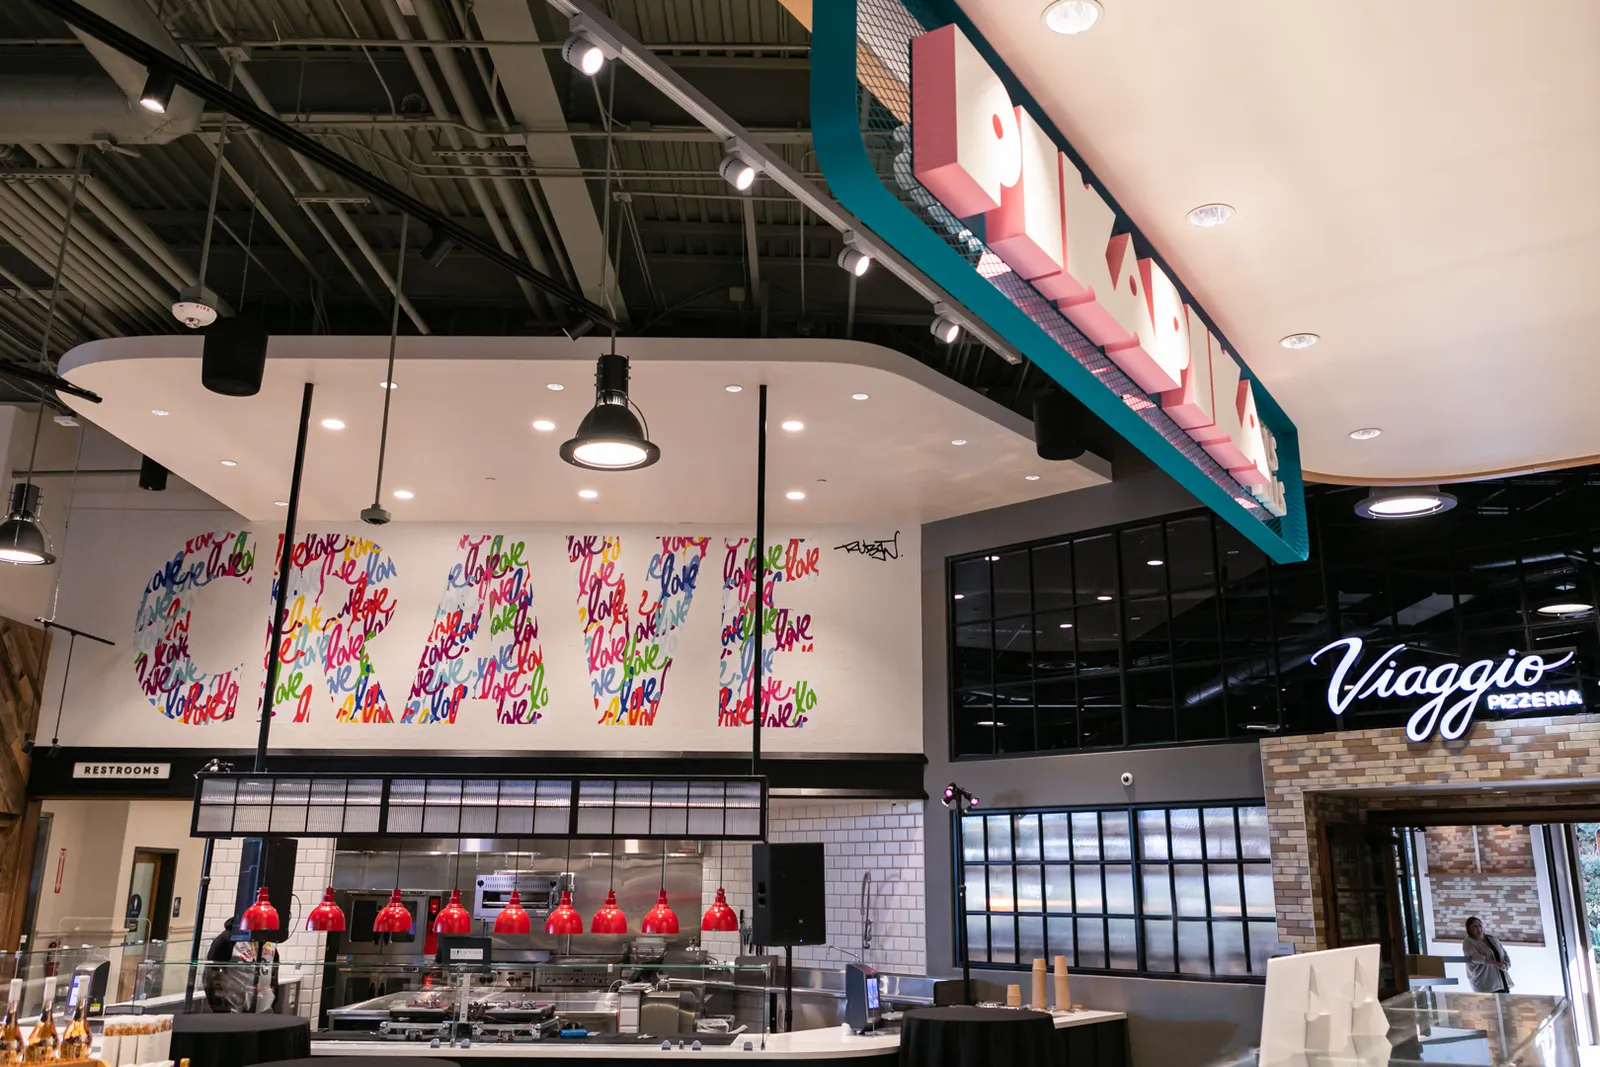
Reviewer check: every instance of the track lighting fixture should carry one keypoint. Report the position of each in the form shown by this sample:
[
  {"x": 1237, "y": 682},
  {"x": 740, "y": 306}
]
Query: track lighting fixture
[
  {"x": 852, "y": 258},
  {"x": 945, "y": 326},
  {"x": 22, "y": 539},
  {"x": 611, "y": 437},
  {"x": 156, "y": 96},
  {"x": 737, "y": 171},
  {"x": 583, "y": 53},
  {"x": 958, "y": 798}
]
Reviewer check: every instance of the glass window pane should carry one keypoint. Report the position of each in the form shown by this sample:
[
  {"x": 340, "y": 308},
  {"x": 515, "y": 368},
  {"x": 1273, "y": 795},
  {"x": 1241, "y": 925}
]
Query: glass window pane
[
  {"x": 1150, "y": 715},
  {"x": 1013, "y": 718},
  {"x": 1196, "y": 628},
  {"x": 974, "y": 723},
  {"x": 1258, "y": 899},
  {"x": 1002, "y": 940},
  {"x": 999, "y": 831},
  {"x": 1085, "y": 835},
  {"x": 1056, "y": 713},
  {"x": 1055, "y": 643},
  {"x": 1119, "y": 889},
  {"x": 1057, "y": 835},
  {"x": 1227, "y": 941},
  {"x": 978, "y": 938},
  {"x": 1149, "y": 635},
  {"x": 1052, "y": 576},
  {"x": 1030, "y": 892},
  {"x": 1027, "y": 837},
  {"x": 1012, "y": 585},
  {"x": 1153, "y": 835},
  {"x": 1099, "y": 636},
  {"x": 1185, "y": 834},
  {"x": 1114, "y": 835},
  {"x": 1263, "y": 939},
  {"x": 1095, "y": 568},
  {"x": 1058, "y": 889},
  {"x": 1158, "y": 946},
  {"x": 1030, "y": 933},
  {"x": 1189, "y": 881},
  {"x": 1144, "y": 563},
  {"x": 1100, "y": 710},
  {"x": 1062, "y": 942},
  {"x": 1256, "y": 842},
  {"x": 1220, "y": 843},
  {"x": 1091, "y": 943},
  {"x": 1087, "y": 882},
  {"x": 977, "y": 889},
  {"x": 970, "y": 664},
  {"x": 969, "y": 588},
  {"x": 1224, "y": 883},
  {"x": 1194, "y": 950},
  {"x": 1157, "y": 889},
  {"x": 1013, "y": 650},
  {"x": 1122, "y": 944},
  {"x": 1002, "y": 896},
  {"x": 1190, "y": 564},
  {"x": 1200, "y": 699},
  {"x": 972, "y": 838}
]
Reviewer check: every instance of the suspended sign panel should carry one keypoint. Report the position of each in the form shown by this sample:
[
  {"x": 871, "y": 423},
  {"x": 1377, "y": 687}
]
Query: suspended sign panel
[{"x": 949, "y": 160}]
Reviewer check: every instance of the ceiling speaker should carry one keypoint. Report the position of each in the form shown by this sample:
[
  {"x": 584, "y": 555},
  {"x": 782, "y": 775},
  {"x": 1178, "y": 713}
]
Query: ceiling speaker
[
  {"x": 235, "y": 357},
  {"x": 152, "y": 475},
  {"x": 1058, "y": 426}
]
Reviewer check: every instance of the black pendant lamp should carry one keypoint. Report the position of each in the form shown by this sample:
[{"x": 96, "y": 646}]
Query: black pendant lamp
[
  {"x": 611, "y": 437},
  {"x": 22, "y": 539}
]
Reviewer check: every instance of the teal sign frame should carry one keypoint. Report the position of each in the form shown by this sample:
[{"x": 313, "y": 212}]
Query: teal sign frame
[{"x": 836, "y": 120}]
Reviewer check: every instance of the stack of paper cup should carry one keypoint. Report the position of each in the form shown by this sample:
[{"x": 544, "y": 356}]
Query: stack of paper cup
[
  {"x": 1063, "y": 999},
  {"x": 1013, "y": 996},
  {"x": 129, "y": 1040},
  {"x": 1038, "y": 1000}
]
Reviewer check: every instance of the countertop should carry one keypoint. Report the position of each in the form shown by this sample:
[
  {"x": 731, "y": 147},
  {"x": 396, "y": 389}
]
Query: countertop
[{"x": 827, "y": 1043}]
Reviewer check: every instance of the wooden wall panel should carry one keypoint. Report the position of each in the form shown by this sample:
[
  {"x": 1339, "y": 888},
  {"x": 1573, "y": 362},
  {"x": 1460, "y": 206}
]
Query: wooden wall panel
[{"x": 24, "y": 650}]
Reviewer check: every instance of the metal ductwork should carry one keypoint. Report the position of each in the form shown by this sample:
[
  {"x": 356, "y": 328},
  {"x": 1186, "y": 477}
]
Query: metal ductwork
[{"x": 88, "y": 109}]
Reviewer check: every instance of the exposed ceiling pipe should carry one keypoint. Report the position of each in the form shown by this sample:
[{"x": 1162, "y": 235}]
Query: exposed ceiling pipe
[
  {"x": 137, "y": 18},
  {"x": 22, "y": 232},
  {"x": 104, "y": 327},
  {"x": 77, "y": 109},
  {"x": 430, "y": 89},
  {"x": 53, "y": 205}
]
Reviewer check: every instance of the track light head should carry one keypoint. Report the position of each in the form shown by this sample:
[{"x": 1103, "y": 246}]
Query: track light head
[
  {"x": 583, "y": 327},
  {"x": 156, "y": 96},
  {"x": 737, "y": 171},
  {"x": 855, "y": 261},
  {"x": 945, "y": 326},
  {"x": 583, "y": 54}
]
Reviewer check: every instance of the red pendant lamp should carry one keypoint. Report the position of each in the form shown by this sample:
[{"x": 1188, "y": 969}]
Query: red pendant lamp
[
  {"x": 565, "y": 918},
  {"x": 327, "y": 917},
  {"x": 661, "y": 918},
  {"x": 261, "y": 916},
  {"x": 609, "y": 919},
  {"x": 513, "y": 918},
  {"x": 719, "y": 916},
  {"x": 453, "y": 918},
  {"x": 394, "y": 918}
]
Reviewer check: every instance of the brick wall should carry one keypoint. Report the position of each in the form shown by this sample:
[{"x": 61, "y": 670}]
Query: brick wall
[
  {"x": 882, "y": 838},
  {"x": 1297, "y": 770},
  {"x": 1485, "y": 871}
]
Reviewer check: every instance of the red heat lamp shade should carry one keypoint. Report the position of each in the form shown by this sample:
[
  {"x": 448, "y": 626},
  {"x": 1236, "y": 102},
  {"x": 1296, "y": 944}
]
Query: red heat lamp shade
[
  {"x": 565, "y": 919},
  {"x": 454, "y": 919},
  {"x": 260, "y": 916},
  {"x": 394, "y": 918},
  {"x": 661, "y": 919},
  {"x": 609, "y": 919},
  {"x": 326, "y": 917},
  {"x": 513, "y": 918},
  {"x": 719, "y": 916}
]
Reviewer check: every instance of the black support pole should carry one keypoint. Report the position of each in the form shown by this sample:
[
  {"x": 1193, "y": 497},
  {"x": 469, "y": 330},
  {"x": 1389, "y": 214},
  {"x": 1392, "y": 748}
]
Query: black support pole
[
  {"x": 280, "y": 604},
  {"x": 761, "y": 582},
  {"x": 199, "y": 924},
  {"x": 961, "y": 909}
]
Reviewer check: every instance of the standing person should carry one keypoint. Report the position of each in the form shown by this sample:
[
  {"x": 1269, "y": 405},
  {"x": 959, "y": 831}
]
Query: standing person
[{"x": 1488, "y": 966}]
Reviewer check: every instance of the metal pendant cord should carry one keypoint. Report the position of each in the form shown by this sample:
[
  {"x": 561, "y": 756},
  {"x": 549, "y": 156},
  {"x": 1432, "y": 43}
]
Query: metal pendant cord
[{"x": 394, "y": 333}]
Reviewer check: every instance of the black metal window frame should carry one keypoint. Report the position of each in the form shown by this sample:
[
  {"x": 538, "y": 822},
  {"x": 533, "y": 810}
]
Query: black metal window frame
[{"x": 1148, "y": 920}]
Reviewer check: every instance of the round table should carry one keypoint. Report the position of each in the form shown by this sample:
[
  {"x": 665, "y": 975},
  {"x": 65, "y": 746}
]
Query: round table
[
  {"x": 961, "y": 1036},
  {"x": 239, "y": 1040}
]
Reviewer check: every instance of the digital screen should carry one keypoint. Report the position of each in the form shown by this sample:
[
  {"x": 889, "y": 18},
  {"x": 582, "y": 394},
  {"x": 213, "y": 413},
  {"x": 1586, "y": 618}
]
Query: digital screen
[
  {"x": 872, "y": 993},
  {"x": 79, "y": 983}
]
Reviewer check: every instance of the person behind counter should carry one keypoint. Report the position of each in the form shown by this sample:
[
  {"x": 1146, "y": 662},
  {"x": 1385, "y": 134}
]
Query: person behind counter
[
  {"x": 1488, "y": 966},
  {"x": 228, "y": 984}
]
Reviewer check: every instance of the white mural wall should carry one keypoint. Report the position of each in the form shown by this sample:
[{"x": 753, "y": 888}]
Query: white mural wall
[{"x": 626, "y": 639}]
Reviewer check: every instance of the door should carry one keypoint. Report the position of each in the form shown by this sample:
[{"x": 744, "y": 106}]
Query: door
[
  {"x": 1362, "y": 895},
  {"x": 148, "y": 911}
]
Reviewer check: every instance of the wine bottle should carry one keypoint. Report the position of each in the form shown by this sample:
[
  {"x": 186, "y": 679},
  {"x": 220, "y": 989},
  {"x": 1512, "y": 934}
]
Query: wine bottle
[
  {"x": 11, "y": 1040},
  {"x": 77, "y": 1041},
  {"x": 44, "y": 1043}
]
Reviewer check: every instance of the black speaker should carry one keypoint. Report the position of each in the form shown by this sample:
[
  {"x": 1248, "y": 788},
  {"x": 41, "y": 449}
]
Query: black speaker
[
  {"x": 1058, "y": 422},
  {"x": 234, "y": 357},
  {"x": 152, "y": 475},
  {"x": 267, "y": 861},
  {"x": 789, "y": 893}
]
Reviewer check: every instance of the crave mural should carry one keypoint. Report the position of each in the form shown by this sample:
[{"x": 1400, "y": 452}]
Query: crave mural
[{"x": 483, "y": 642}]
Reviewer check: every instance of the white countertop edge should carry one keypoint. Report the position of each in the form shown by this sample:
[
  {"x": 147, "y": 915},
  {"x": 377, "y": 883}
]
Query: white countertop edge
[{"x": 822, "y": 1044}]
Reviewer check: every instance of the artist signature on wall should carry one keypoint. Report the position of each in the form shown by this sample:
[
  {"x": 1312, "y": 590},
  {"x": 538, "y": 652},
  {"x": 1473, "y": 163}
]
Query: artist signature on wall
[{"x": 883, "y": 550}]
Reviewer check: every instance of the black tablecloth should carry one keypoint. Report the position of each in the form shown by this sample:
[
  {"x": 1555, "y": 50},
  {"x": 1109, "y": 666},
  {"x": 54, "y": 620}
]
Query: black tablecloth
[
  {"x": 961, "y": 1036},
  {"x": 239, "y": 1040}
]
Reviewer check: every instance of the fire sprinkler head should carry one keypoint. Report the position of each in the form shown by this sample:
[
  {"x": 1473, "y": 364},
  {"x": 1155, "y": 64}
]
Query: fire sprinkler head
[{"x": 198, "y": 306}]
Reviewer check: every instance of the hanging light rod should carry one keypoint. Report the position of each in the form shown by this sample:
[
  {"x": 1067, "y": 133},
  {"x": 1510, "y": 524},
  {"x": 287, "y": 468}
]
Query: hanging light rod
[
  {"x": 51, "y": 624},
  {"x": 54, "y": 381},
  {"x": 239, "y": 108}
]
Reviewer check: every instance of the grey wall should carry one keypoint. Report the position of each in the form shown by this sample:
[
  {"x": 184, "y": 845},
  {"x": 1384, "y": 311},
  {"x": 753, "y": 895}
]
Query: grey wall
[{"x": 1172, "y": 1024}]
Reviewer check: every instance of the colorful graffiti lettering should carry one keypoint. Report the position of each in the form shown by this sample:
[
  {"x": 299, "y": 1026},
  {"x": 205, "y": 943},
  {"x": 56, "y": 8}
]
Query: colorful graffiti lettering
[
  {"x": 492, "y": 575},
  {"x": 628, "y": 663},
  {"x": 176, "y": 686},
  {"x": 783, "y": 630},
  {"x": 338, "y": 601}
]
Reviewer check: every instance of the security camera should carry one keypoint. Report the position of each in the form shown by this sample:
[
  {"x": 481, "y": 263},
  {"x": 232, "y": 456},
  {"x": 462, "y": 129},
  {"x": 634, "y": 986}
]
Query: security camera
[
  {"x": 1127, "y": 778},
  {"x": 374, "y": 516}
]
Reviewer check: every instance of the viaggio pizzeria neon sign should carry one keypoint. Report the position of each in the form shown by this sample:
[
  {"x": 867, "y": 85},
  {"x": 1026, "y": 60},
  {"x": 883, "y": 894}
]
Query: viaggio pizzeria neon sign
[
  {"x": 980, "y": 155},
  {"x": 1511, "y": 684}
]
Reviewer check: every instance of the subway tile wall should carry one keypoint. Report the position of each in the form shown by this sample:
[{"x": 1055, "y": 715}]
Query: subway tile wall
[
  {"x": 312, "y": 872},
  {"x": 882, "y": 838}
]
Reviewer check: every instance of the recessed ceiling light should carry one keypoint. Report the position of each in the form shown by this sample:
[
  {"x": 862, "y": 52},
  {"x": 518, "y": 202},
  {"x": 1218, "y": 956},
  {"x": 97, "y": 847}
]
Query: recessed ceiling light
[
  {"x": 1102, "y": 598},
  {"x": 1209, "y": 215},
  {"x": 588, "y": 494},
  {"x": 992, "y": 559},
  {"x": 543, "y": 425},
  {"x": 961, "y": 596},
  {"x": 1299, "y": 340},
  {"x": 1565, "y": 587},
  {"x": 1030, "y": 477},
  {"x": 795, "y": 494},
  {"x": 333, "y": 424},
  {"x": 858, "y": 396},
  {"x": 1572, "y": 608},
  {"x": 1366, "y": 433},
  {"x": 160, "y": 413},
  {"x": 1072, "y": 16},
  {"x": 794, "y": 425},
  {"x": 733, "y": 388},
  {"x": 388, "y": 385},
  {"x": 403, "y": 494},
  {"x": 1066, "y": 626},
  {"x": 554, "y": 387},
  {"x": 1404, "y": 502},
  {"x": 280, "y": 503},
  {"x": 228, "y": 462},
  {"x": 1154, "y": 562},
  {"x": 959, "y": 441}
]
